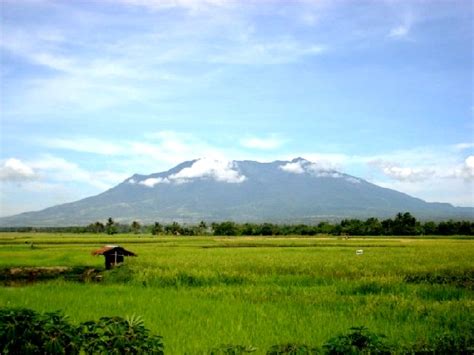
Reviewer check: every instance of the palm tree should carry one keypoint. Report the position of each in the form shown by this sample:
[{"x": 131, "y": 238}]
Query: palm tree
[{"x": 136, "y": 227}]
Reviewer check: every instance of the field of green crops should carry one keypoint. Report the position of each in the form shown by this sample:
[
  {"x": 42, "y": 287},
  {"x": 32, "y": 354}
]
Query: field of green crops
[{"x": 201, "y": 292}]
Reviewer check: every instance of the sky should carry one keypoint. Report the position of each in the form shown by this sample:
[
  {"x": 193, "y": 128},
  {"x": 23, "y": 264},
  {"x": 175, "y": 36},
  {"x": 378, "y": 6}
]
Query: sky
[{"x": 92, "y": 92}]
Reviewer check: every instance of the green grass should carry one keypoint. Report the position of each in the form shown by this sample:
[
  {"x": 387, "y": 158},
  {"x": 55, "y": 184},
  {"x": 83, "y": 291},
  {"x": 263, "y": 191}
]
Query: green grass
[{"x": 201, "y": 292}]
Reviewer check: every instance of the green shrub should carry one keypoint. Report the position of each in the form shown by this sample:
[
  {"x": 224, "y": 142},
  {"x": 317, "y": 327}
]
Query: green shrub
[
  {"x": 119, "y": 274},
  {"x": 292, "y": 349},
  {"x": 446, "y": 343},
  {"x": 230, "y": 349},
  {"x": 116, "y": 335},
  {"x": 23, "y": 331},
  {"x": 359, "y": 341},
  {"x": 458, "y": 278}
]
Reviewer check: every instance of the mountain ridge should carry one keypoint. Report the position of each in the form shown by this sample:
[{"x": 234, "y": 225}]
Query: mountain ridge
[{"x": 298, "y": 191}]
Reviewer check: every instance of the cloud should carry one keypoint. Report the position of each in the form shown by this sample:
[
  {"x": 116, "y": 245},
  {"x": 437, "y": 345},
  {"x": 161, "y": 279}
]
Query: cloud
[
  {"x": 464, "y": 170},
  {"x": 470, "y": 163},
  {"x": 440, "y": 166},
  {"x": 403, "y": 29},
  {"x": 171, "y": 148},
  {"x": 14, "y": 170},
  {"x": 301, "y": 166},
  {"x": 469, "y": 167},
  {"x": 397, "y": 172},
  {"x": 168, "y": 147},
  {"x": 331, "y": 161},
  {"x": 399, "y": 31},
  {"x": 294, "y": 168},
  {"x": 267, "y": 143},
  {"x": 455, "y": 191},
  {"x": 190, "y": 5},
  {"x": 85, "y": 145},
  {"x": 252, "y": 51},
  {"x": 463, "y": 146},
  {"x": 401, "y": 173},
  {"x": 219, "y": 170},
  {"x": 151, "y": 182},
  {"x": 58, "y": 170}
]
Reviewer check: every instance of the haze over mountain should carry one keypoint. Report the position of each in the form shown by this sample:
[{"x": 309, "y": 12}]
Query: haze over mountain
[{"x": 214, "y": 190}]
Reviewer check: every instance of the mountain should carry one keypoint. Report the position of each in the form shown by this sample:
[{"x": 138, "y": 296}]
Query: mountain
[{"x": 212, "y": 190}]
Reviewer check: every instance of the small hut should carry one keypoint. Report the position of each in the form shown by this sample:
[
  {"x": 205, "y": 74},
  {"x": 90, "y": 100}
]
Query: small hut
[{"x": 114, "y": 254}]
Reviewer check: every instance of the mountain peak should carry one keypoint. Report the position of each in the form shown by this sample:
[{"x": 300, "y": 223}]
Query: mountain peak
[{"x": 299, "y": 159}]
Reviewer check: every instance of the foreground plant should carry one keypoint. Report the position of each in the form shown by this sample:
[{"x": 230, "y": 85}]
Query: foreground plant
[
  {"x": 359, "y": 341},
  {"x": 231, "y": 349},
  {"x": 24, "y": 331},
  {"x": 293, "y": 349},
  {"x": 116, "y": 335}
]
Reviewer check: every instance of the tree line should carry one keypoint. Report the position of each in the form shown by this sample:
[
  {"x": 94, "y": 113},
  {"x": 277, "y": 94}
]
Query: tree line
[{"x": 401, "y": 224}]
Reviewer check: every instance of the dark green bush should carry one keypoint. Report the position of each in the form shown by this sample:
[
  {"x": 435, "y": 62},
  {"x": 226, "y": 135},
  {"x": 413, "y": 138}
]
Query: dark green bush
[
  {"x": 359, "y": 341},
  {"x": 292, "y": 349},
  {"x": 23, "y": 331},
  {"x": 115, "y": 335},
  {"x": 26, "y": 332},
  {"x": 446, "y": 343},
  {"x": 230, "y": 349},
  {"x": 119, "y": 274},
  {"x": 458, "y": 278}
]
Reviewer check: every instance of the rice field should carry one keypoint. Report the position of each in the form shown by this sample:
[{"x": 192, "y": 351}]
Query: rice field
[{"x": 201, "y": 292}]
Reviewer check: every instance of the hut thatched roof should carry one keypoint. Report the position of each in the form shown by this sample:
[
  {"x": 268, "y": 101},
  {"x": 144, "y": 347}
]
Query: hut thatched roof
[{"x": 109, "y": 249}]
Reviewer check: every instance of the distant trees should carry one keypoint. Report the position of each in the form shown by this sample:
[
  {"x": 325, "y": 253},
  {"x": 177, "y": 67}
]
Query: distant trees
[
  {"x": 110, "y": 226},
  {"x": 403, "y": 224},
  {"x": 135, "y": 226},
  {"x": 97, "y": 227},
  {"x": 156, "y": 229},
  {"x": 225, "y": 228}
]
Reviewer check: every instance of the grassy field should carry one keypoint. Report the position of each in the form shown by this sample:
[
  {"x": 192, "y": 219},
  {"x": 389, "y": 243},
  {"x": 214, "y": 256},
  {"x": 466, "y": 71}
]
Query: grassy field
[{"x": 200, "y": 292}]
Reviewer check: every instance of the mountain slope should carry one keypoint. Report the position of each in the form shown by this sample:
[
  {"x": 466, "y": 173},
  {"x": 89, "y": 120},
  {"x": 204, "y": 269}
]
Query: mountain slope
[{"x": 205, "y": 189}]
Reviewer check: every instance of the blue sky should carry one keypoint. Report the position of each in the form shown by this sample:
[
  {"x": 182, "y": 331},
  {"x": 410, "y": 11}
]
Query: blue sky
[{"x": 95, "y": 91}]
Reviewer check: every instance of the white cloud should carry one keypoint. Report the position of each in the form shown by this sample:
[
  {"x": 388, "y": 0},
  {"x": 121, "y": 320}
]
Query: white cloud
[
  {"x": 353, "y": 180},
  {"x": 14, "y": 170},
  {"x": 167, "y": 147},
  {"x": 55, "y": 169},
  {"x": 323, "y": 173},
  {"x": 86, "y": 145},
  {"x": 424, "y": 168},
  {"x": 267, "y": 143},
  {"x": 464, "y": 170},
  {"x": 403, "y": 29},
  {"x": 294, "y": 168},
  {"x": 469, "y": 167},
  {"x": 399, "y": 31},
  {"x": 455, "y": 191},
  {"x": 435, "y": 174},
  {"x": 463, "y": 146},
  {"x": 331, "y": 161},
  {"x": 150, "y": 182},
  {"x": 302, "y": 166},
  {"x": 401, "y": 173},
  {"x": 219, "y": 170},
  {"x": 470, "y": 162},
  {"x": 397, "y": 172},
  {"x": 252, "y": 51},
  {"x": 191, "y": 5}
]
